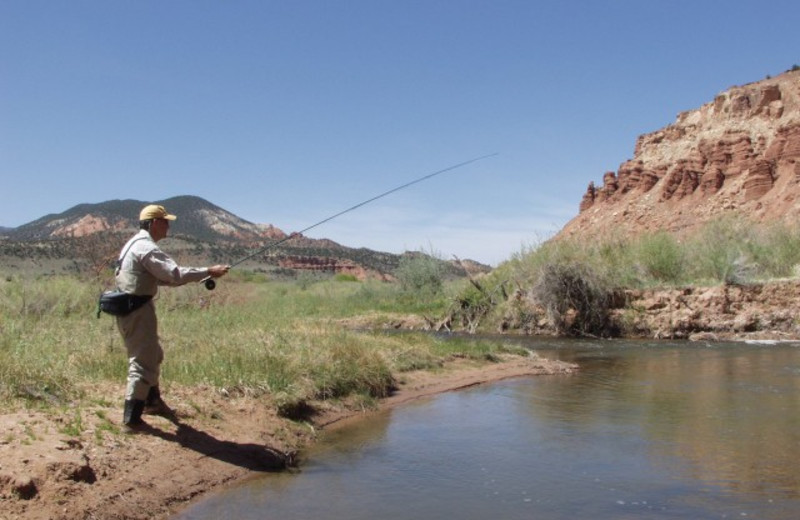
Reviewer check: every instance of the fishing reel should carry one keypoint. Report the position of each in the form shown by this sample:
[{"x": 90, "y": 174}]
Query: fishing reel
[{"x": 210, "y": 284}]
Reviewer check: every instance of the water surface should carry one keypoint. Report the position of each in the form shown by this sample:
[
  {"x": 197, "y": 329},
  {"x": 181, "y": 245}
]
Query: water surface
[{"x": 644, "y": 430}]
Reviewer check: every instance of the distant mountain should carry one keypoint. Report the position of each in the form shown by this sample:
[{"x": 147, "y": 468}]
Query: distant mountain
[
  {"x": 197, "y": 218},
  {"x": 91, "y": 234}
]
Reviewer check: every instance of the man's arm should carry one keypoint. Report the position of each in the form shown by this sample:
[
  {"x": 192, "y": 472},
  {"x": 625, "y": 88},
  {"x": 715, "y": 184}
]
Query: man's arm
[{"x": 168, "y": 272}]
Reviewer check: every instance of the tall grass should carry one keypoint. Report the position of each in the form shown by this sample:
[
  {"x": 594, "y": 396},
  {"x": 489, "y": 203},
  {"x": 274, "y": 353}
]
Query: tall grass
[
  {"x": 254, "y": 338},
  {"x": 729, "y": 249},
  {"x": 718, "y": 252}
]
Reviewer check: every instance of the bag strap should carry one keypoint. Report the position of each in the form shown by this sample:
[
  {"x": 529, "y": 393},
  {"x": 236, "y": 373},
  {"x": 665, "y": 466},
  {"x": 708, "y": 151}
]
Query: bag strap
[{"x": 122, "y": 256}]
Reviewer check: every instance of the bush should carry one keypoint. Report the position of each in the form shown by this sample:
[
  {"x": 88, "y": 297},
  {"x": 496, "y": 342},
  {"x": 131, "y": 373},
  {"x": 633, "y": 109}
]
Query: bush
[
  {"x": 575, "y": 297},
  {"x": 775, "y": 250},
  {"x": 420, "y": 273},
  {"x": 661, "y": 257},
  {"x": 472, "y": 304},
  {"x": 717, "y": 252}
]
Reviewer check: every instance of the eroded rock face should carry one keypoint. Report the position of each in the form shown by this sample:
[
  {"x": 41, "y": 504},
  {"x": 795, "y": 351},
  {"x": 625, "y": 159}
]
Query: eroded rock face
[
  {"x": 86, "y": 226},
  {"x": 740, "y": 152}
]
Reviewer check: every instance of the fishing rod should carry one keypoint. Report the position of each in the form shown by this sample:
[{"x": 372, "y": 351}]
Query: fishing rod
[{"x": 211, "y": 284}]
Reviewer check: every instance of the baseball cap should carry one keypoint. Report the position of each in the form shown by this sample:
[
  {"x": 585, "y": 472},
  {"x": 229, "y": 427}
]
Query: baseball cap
[{"x": 154, "y": 211}]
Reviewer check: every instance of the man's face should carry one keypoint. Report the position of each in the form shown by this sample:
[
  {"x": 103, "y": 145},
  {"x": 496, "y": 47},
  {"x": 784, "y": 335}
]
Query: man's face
[{"x": 159, "y": 228}]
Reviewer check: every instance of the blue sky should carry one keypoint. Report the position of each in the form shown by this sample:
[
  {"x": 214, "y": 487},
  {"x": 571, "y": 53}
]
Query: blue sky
[{"x": 287, "y": 112}]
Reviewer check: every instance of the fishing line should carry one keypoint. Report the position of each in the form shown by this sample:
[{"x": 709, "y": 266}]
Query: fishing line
[{"x": 211, "y": 284}]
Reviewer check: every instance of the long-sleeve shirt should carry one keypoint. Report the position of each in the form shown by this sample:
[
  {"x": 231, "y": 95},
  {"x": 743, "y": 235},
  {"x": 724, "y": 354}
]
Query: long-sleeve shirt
[{"x": 144, "y": 267}]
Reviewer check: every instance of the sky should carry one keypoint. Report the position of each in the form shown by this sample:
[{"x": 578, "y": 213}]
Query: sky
[{"x": 288, "y": 112}]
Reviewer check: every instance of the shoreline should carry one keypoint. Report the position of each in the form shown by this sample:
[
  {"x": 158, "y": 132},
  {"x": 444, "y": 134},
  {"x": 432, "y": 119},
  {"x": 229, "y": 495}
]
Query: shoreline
[{"x": 47, "y": 471}]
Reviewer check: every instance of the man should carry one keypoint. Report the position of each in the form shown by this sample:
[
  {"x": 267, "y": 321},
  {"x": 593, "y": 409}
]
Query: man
[{"x": 143, "y": 267}]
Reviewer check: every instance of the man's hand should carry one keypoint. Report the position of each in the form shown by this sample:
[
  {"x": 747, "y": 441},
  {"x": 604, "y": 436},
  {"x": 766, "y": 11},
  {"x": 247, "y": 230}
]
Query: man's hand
[{"x": 215, "y": 271}]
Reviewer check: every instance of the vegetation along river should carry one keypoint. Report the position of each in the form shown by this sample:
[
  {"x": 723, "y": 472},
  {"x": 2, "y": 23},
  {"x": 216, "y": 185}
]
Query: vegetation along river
[{"x": 643, "y": 430}]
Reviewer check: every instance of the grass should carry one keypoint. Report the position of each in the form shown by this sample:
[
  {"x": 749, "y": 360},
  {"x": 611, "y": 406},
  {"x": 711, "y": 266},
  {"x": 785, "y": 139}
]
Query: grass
[
  {"x": 729, "y": 249},
  {"x": 249, "y": 336},
  {"x": 571, "y": 280}
]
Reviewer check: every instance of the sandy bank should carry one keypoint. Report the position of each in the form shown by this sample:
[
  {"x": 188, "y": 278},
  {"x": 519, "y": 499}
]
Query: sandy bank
[{"x": 75, "y": 463}]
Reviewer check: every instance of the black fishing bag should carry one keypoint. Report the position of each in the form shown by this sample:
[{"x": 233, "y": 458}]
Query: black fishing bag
[{"x": 118, "y": 303}]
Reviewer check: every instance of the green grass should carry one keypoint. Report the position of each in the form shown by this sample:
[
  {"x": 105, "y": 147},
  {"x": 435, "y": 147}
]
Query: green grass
[
  {"x": 248, "y": 336},
  {"x": 729, "y": 249}
]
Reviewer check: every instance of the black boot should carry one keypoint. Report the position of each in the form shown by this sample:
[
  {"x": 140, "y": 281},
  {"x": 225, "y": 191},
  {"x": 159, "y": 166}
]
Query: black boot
[
  {"x": 153, "y": 396},
  {"x": 132, "y": 416},
  {"x": 154, "y": 405}
]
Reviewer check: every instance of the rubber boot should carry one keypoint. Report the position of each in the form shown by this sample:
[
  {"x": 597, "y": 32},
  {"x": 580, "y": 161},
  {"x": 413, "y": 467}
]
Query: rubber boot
[
  {"x": 132, "y": 416},
  {"x": 154, "y": 405}
]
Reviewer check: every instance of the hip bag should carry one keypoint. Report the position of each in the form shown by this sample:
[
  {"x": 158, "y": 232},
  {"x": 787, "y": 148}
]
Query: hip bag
[{"x": 119, "y": 303}]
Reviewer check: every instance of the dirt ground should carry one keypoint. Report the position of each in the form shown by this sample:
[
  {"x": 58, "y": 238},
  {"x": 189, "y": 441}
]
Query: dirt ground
[{"x": 78, "y": 464}]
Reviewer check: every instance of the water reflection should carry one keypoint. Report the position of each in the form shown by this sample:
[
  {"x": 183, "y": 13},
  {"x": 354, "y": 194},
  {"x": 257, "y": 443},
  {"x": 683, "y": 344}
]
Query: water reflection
[
  {"x": 731, "y": 411},
  {"x": 643, "y": 430}
]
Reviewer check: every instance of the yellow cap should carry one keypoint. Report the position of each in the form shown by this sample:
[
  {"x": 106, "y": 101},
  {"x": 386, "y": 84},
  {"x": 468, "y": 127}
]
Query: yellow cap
[{"x": 154, "y": 211}]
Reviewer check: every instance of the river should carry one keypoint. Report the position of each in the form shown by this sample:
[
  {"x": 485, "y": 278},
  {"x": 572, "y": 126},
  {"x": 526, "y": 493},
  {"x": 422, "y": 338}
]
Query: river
[{"x": 643, "y": 430}]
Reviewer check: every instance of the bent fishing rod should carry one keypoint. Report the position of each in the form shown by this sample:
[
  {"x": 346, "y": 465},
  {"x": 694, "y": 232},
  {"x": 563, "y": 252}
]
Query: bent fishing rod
[{"x": 209, "y": 282}]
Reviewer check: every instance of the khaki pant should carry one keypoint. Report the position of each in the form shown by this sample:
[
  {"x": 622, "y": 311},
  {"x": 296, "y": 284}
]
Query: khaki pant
[{"x": 139, "y": 330}]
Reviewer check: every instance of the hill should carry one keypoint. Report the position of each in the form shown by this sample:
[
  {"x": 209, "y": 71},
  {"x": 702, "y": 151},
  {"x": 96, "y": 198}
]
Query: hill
[
  {"x": 89, "y": 236},
  {"x": 199, "y": 219},
  {"x": 739, "y": 153}
]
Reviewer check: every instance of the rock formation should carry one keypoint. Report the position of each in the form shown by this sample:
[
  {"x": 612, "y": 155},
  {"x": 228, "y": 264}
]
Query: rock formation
[{"x": 738, "y": 153}]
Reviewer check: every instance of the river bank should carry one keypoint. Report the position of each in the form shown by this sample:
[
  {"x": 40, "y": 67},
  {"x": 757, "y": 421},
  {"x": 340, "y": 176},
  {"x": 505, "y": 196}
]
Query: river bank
[
  {"x": 77, "y": 464},
  {"x": 757, "y": 311},
  {"x": 763, "y": 311}
]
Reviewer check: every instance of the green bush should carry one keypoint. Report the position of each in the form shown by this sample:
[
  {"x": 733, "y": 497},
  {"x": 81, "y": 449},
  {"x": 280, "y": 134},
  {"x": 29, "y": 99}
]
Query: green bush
[
  {"x": 717, "y": 252},
  {"x": 775, "y": 250},
  {"x": 420, "y": 273},
  {"x": 661, "y": 257}
]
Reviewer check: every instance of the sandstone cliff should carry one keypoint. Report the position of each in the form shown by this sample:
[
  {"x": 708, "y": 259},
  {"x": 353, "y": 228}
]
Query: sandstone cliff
[{"x": 738, "y": 153}]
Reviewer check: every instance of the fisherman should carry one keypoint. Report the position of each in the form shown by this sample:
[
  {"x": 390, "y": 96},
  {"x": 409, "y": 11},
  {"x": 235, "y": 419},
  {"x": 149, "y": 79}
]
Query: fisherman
[{"x": 142, "y": 268}]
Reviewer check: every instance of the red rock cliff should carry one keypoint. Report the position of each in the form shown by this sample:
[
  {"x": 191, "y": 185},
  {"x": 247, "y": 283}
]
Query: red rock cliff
[{"x": 740, "y": 152}]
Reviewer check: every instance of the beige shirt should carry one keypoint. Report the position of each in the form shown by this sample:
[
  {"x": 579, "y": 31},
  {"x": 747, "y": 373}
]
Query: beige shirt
[{"x": 145, "y": 267}]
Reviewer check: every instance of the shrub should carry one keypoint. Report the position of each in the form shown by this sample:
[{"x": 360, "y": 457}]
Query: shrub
[
  {"x": 775, "y": 250},
  {"x": 661, "y": 257},
  {"x": 575, "y": 297},
  {"x": 420, "y": 273},
  {"x": 717, "y": 253},
  {"x": 472, "y": 305}
]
